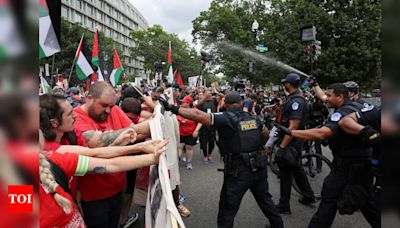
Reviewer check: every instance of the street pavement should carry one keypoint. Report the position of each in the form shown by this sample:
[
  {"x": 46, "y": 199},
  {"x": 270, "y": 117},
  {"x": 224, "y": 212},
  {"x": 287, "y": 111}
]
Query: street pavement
[{"x": 202, "y": 187}]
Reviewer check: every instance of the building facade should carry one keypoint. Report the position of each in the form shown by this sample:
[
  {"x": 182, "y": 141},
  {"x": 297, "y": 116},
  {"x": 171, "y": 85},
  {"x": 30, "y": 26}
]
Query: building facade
[{"x": 116, "y": 18}]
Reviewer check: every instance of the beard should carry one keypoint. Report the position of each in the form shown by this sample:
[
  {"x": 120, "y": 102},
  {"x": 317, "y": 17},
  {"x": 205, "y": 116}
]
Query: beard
[{"x": 97, "y": 117}]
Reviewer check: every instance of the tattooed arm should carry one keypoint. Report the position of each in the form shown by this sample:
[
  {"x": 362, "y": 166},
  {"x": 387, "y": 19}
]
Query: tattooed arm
[
  {"x": 107, "y": 138},
  {"x": 196, "y": 115}
]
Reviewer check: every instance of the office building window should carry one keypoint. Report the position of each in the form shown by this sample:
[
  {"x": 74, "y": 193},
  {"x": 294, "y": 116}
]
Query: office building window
[
  {"x": 64, "y": 12},
  {"x": 78, "y": 18}
]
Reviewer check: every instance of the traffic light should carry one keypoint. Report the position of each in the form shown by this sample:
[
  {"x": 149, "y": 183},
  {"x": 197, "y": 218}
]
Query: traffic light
[{"x": 316, "y": 48}]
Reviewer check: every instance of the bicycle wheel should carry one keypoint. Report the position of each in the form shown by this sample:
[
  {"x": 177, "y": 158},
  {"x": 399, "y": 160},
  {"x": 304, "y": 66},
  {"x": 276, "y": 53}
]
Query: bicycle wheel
[{"x": 315, "y": 173}]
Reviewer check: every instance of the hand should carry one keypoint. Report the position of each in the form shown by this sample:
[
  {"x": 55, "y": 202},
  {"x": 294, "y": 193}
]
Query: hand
[
  {"x": 195, "y": 134},
  {"x": 149, "y": 101},
  {"x": 279, "y": 154},
  {"x": 160, "y": 148},
  {"x": 284, "y": 129},
  {"x": 313, "y": 81},
  {"x": 168, "y": 106},
  {"x": 126, "y": 137},
  {"x": 152, "y": 146},
  {"x": 370, "y": 135}
]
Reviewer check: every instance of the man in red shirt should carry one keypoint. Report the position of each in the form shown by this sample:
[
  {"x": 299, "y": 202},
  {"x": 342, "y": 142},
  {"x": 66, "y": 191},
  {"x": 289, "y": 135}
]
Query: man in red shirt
[{"x": 100, "y": 122}]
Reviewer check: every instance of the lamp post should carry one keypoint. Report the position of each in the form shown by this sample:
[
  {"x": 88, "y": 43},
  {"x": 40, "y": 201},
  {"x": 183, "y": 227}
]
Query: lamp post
[{"x": 254, "y": 29}]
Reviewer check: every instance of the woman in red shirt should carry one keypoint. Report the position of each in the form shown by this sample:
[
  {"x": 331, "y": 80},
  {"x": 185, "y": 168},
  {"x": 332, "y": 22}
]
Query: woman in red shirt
[{"x": 188, "y": 131}]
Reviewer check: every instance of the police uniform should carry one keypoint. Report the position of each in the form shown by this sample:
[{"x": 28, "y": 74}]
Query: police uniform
[
  {"x": 294, "y": 108},
  {"x": 351, "y": 167},
  {"x": 245, "y": 165}
]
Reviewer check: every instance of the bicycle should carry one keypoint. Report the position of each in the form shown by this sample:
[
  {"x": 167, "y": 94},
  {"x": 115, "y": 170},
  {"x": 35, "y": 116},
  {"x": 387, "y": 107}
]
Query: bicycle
[{"x": 315, "y": 165}]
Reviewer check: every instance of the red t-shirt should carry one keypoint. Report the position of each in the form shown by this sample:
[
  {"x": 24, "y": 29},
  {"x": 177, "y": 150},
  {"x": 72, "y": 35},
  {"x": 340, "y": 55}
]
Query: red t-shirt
[
  {"x": 53, "y": 146},
  {"x": 52, "y": 215},
  {"x": 186, "y": 126},
  {"x": 96, "y": 187}
]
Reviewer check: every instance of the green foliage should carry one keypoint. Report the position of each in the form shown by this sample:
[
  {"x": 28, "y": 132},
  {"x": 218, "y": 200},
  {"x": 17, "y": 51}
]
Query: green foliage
[
  {"x": 350, "y": 32},
  {"x": 152, "y": 45},
  {"x": 71, "y": 34}
]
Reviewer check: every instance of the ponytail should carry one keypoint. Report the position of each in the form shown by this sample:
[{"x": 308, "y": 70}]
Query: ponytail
[{"x": 48, "y": 182}]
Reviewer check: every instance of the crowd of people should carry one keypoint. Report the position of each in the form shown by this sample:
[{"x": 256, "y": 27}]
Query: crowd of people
[{"x": 88, "y": 175}]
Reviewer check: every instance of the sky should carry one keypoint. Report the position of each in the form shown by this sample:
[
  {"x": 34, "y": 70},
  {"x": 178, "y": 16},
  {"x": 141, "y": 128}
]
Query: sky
[{"x": 175, "y": 16}]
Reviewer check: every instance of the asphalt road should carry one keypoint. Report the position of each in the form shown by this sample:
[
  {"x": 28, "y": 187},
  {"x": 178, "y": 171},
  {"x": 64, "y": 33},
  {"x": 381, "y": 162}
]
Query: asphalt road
[{"x": 202, "y": 186}]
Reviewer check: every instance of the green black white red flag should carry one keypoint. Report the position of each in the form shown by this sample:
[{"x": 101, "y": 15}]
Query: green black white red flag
[
  {"x": 170, "y": 77},
  {"x": 83, "y": 68},
  {"x": 117, "y": 70},
  {"x": 48, "y": 43},
  {"x": 97, "y": 76}
]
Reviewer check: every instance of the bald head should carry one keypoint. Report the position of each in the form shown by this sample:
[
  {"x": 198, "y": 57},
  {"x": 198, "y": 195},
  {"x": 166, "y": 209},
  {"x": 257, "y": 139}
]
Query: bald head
[
  {"x": 100, "y": 101},
  {"x": 101, "y": 88}
]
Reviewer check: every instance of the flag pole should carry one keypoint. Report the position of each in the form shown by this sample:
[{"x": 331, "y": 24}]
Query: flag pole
[{"x": 73, "y": 62}]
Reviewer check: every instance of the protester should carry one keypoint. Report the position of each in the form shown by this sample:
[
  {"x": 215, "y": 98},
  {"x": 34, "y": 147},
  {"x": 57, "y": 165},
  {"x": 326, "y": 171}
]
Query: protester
[
  {"x": 101, "y": 122},
  {"x": 189, "y": 131}
]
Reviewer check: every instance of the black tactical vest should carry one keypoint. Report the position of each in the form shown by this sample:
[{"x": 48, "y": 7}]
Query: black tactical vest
[{"x": 247, "y": 134}]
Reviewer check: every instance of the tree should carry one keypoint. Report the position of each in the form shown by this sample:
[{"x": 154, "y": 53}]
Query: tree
[
  {"x": 349, "y": 30},
  {"x": 71, "y": 34},
  {"x": 152, "y": 45}
]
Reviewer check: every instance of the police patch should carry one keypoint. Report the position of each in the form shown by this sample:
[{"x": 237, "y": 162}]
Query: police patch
[
  {"x": 336, "y": 116},
  {"x": 248, "y": 125},
  {"x": 295, "y": 106},
  {"x": 367, "y": 107}
]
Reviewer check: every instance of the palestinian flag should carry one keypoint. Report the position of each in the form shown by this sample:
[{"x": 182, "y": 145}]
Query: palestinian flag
[
  {"x": 117, "y": 70},
  {"x": 95, "y": 59},
  {"x": 170, "y": 77},
  {"x": 45, "y": 86},
  {"x": 48, "y": 43},
  {"x": 83, "y": 68}
]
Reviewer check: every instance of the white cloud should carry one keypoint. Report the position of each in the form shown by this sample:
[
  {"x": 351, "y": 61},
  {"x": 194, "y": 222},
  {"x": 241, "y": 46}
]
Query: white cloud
[{"x": 175, "y": 16}]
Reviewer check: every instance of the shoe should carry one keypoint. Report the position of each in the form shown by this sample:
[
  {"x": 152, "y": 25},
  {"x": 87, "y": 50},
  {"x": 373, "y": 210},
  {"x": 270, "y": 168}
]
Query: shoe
[
  {"x": 183, "y": 211},
  {"x": 205, "y": 162},
  {"x": 307, "y": 201},
  {"x": 131, "y": 219},
  {"x": 189, "y": 166},
  {"x": 210, "y": 160},
  {"x": 182, "y": 198},
  {"x": 283, "y": 210}
]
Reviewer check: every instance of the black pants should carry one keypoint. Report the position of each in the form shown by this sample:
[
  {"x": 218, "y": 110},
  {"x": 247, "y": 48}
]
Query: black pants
[
  {"x": 286, "y": 175},
  {"x": 207, "y": 140},
  {"x": 104, "y": 212},
  {"x": 233, "y": 190},
  {"x": 332, "y": 188}
]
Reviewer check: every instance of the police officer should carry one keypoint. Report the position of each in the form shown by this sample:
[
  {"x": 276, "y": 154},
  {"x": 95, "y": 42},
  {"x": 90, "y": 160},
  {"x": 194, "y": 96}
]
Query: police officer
[
  {"x": 354, "y": 92},
  {"x": 245, "y": 163},
  {"x": 294, "y": 116},
  {"x": 348, "y": 187}
]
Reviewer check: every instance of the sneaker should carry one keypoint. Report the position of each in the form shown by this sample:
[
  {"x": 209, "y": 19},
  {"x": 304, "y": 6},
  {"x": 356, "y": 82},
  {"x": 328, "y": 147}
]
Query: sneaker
[
  {"x": 131, "y": 219},
  {"x": 307, "y": 201},
  {"x": 183, "y": 210},
  {"x": 210, "y": 160},
  {"x": 283, "y": 210},
  {"x": 205, "y": 162},
  {"x": 189, "y": 166},
  {"x": 182, "y": 198}
]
